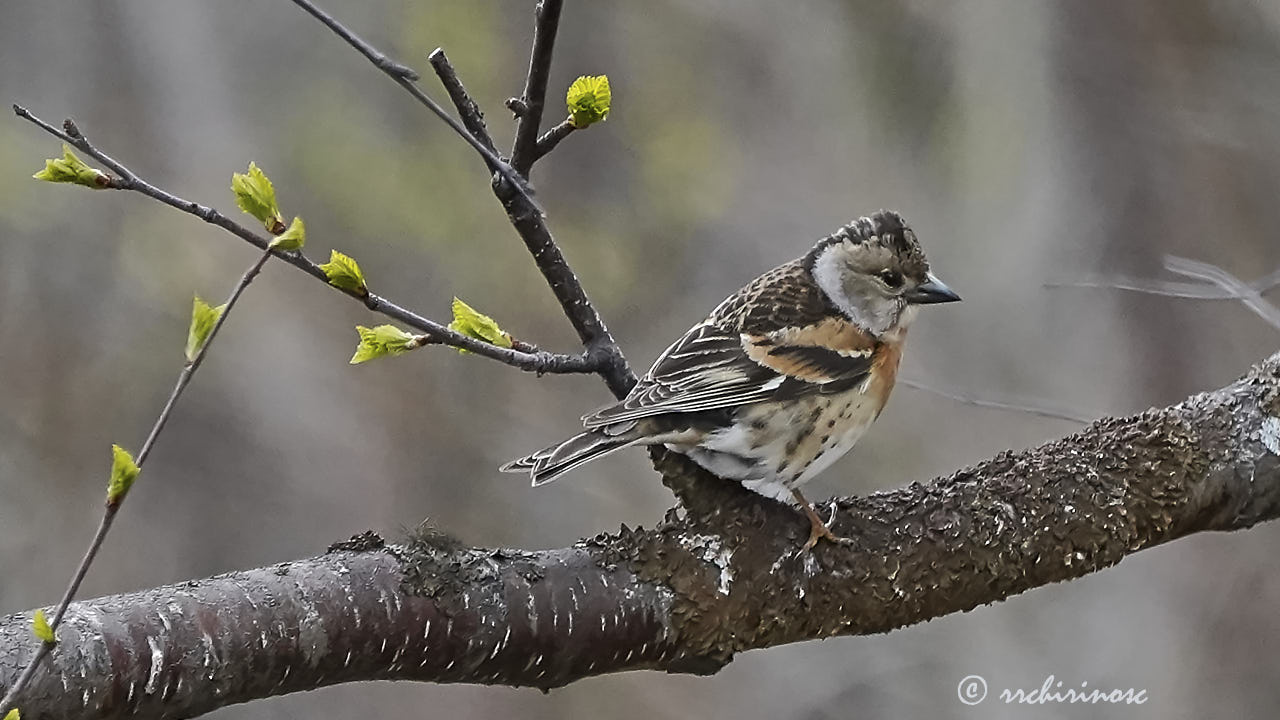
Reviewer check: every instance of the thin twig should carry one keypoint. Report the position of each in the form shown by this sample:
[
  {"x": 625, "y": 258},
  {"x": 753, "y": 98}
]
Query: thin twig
[
  {"x": 996, "y": 405},
  {"x": 467, "y": 108},
  {"x": 1218, "y": 284},
  {"x": 532, "y": 227},
  {"x": 546, "y": 23},
  {"x": 1268, "y": 282},
  {"x": 406, "y": 78},
  {"x": 28, "y": 672},
  {"x": 516, "y": 106},
  {"x": 552, "y": 138},
  {"x": 602, "y": 354},
  {"x": 126, "y": 179},
  {"x": 1251, "y": 298},
  {"x": 1165, "y": 288},
  {"x": 1173, "y": 288},
  {"x": 113, "y": 505}
]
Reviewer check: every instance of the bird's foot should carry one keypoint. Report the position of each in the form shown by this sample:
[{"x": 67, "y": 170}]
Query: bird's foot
[{"x": 818, "y": 530}]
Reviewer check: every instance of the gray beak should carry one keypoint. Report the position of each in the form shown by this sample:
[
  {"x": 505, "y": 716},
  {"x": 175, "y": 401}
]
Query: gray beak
[{"x": 931, "y": 291}]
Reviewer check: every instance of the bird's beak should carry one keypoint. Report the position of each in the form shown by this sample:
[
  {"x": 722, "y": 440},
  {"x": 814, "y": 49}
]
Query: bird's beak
[{"x": 931, "y": 291}]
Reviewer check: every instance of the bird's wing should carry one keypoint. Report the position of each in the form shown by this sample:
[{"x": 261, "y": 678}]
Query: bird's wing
[{"x": 712, "y": 367}]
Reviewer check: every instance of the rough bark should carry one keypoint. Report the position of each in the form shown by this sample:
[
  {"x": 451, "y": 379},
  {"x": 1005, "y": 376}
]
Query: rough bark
[{"x": 684, "y": 597}]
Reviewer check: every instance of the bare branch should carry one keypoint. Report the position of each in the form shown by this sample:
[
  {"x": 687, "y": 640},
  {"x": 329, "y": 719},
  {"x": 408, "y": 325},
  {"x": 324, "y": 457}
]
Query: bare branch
[
  {"x": 1218, "y": 284},
  {"x": 406, "y": 77},
  {"x": 546, "y": 24},
  {"x": 125, "y": 179},
  {"x": 552, "y": 138},
  {"x": 1166, "y": 288},
  {"x": 1268, "y": 282},
  {"x": 532, "y": 227},
  {"x": 516, "y": 106},
  {"x": 684, "y": 597},
  {"x": 467, "y": 108},
  {"x": 1229, "y": 283},
  {"x": 995, "y": 404},
  {"x": 595, "y": 336},
  {"x": 602, "y": 354},
  {"x": 113, "y": 505}
]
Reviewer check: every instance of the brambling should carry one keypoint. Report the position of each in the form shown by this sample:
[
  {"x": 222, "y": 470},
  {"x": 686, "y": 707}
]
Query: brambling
[{"x": 783, "y": 377}]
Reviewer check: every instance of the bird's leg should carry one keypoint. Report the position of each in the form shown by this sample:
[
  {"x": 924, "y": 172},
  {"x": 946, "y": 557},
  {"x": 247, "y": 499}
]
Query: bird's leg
[{"x": 817, "y": 528}]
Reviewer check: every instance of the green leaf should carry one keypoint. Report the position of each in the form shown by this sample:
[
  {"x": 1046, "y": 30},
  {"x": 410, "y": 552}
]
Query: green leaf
[
  {"x": 123, "y": 472},
  {"x": 293, "y": 238},
  {"x": 71, "y": 169},
  {"x": 343, "y": 272},
  {"x": 477, "y": 325},
  {"x": 13, "y": 715},
  {"x": 382, "y": 341},
  {"x": 588, "y": 99},
  {"x": 40, "y": 626},
  {"x": 203, "y": 317},
  {"x": 256, "y": 196}
]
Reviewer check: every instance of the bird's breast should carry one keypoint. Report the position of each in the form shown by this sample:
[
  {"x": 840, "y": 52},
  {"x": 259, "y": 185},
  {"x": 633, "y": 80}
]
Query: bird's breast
[{"x": 790, "y": 442}]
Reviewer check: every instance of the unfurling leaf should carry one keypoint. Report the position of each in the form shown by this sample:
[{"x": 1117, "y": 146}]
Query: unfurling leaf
[
  {"x": 588, "y": 99},
  {"x": 256, "y": 196},
  {"x": 343, "y": 272},
  {"x": 293, "y": 238},
  {"x": 13, "y": 715},
  {"x": 382, "y": 341},
  {"x": 203, "y": 317},
  {"x": 40, "y": 626},
  {"x": 477, "y": 325},
  {"x": 123, "y": 472},
  {"x": 71, "y": 169}
]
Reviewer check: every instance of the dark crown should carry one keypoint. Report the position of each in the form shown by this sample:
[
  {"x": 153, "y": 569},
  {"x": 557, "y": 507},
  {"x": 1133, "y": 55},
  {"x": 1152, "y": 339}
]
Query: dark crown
[{"x": 885, "y": 228}]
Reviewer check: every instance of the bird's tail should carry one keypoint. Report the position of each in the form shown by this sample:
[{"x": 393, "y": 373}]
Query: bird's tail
[{"x": 552, "y": 462}]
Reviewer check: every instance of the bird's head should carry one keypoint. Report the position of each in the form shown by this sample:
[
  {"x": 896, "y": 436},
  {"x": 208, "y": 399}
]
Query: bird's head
[{"x": 875, "y": 272}]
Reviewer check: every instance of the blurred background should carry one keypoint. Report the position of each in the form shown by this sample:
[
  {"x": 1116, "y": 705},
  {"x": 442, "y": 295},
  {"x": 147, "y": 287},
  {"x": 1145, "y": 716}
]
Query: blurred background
[{"x": 1027, "y": 142}]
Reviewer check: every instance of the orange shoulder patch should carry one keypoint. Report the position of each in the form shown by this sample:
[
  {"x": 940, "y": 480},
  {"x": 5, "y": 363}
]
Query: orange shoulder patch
[{"x": 832, "y": 349}]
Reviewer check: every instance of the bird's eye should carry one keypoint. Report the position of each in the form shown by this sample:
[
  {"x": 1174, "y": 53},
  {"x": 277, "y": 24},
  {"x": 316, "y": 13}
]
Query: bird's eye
[{"x": 891, "y": 278}]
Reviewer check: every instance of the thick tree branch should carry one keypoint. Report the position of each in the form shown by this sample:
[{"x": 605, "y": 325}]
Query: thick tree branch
[
  {"x": 114, "y": 504},
  {"x": 125, "y": 179},
  {"x": 684, "y": 597}
]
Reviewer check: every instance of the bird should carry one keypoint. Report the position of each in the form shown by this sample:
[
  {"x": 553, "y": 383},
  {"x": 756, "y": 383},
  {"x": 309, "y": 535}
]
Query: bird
[{"x": 783, "y": 377}]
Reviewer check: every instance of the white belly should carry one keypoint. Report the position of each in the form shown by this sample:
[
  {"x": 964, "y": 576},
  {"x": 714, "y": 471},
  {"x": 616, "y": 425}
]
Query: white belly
[{"x": 774, "y": 447}]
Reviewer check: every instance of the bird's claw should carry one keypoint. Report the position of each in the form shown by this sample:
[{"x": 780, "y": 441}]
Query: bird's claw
[{"x": 819, "y": 530}]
